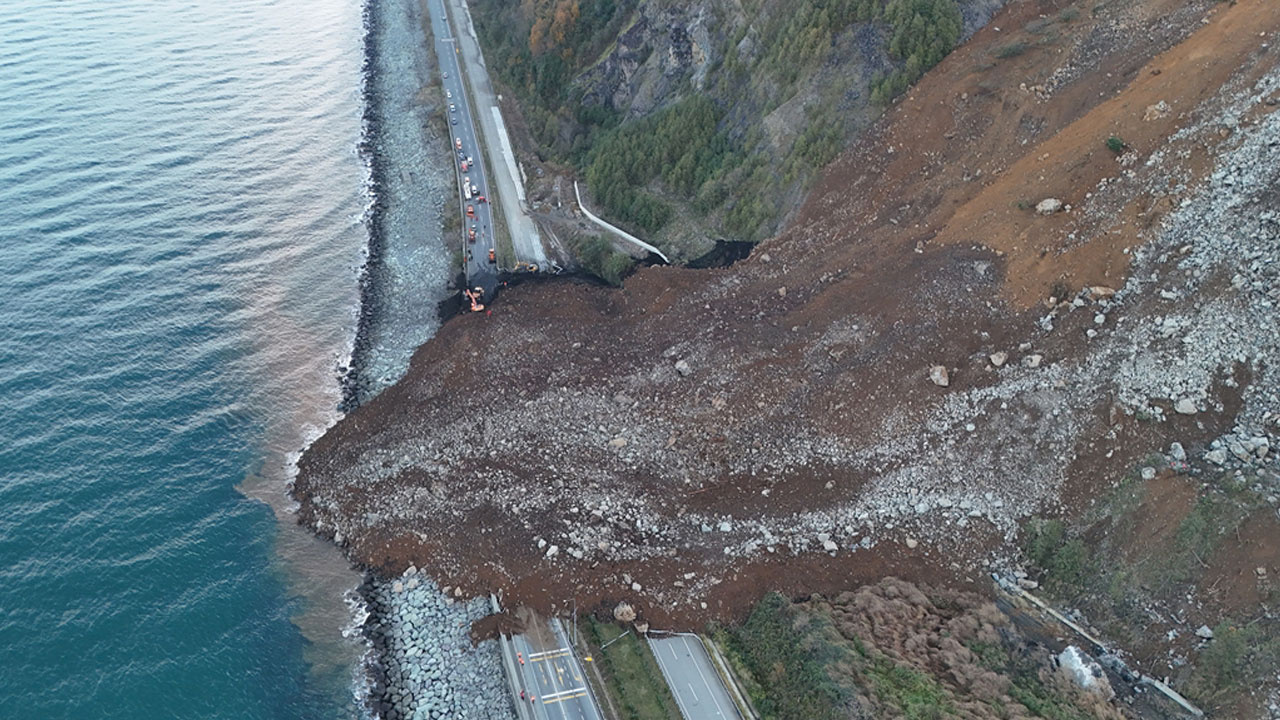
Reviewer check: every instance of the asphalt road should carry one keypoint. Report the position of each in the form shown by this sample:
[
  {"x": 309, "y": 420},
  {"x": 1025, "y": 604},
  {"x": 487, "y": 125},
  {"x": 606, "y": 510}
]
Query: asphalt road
[
  {"x": 525, "y": 239},
  {"x": 693, "y": 679},
  {"x": 462, "y": 126},
  {"x": 554, "y": 684}
]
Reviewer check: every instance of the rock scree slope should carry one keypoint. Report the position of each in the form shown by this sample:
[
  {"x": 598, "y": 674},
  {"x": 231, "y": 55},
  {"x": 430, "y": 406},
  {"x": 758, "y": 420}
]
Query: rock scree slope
[{"x": 699, "y": 435}]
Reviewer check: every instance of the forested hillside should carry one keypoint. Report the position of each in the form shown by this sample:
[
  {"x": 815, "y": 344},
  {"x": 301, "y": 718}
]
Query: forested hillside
[{"x": 710, "y": 111}]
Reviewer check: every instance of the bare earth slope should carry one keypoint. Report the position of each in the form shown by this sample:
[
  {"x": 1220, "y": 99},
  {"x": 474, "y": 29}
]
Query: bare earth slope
[{"x": 699, "y": 436}]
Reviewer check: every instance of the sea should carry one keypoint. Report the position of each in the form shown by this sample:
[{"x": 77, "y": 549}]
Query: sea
[{"x": 189, "y": 192}]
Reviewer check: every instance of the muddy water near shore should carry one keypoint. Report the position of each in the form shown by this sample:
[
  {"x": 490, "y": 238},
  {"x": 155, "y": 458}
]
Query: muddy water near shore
[{"x": 181, "y": 228}]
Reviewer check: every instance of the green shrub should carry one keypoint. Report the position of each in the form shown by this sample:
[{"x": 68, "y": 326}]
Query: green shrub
[
  {"x": 1115, "y": 144},
  {"x": 1013, "y": 49},
  {"x": 1237, "y": 659},
  {"x": 599, "y": 258},
  {"x": 788, "y": 670}
]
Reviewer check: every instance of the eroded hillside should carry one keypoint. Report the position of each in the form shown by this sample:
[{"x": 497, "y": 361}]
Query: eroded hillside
[{"x": 927, "y": 357}]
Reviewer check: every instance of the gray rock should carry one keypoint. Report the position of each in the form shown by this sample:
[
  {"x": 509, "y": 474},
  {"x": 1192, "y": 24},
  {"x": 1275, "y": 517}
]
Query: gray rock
[
  {"x": 1204, "y": 632},
  {"x": 998, "y": 359},
  {"x": 939, "y": 375},
  {"x": 1217, "y": 457},
  {"x": 683, "y": 368},
  {"x": 1177, "y": 452},
  {"x": 1148, "y": 473},
  {"x": 1084, "y": 671},
  {"x": 1033, "y": 361},
  {"x": 1185, "y": 406},
  {"x": 1048, "y": 206}
]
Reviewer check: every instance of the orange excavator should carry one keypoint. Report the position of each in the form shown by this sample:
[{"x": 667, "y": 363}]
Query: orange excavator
[{"x": 473, "y": 296}]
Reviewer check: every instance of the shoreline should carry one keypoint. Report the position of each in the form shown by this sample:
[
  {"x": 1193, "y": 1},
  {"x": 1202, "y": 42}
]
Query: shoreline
[
  {"x": 352, "y": 382},
  {"x": 402, "y": 671}
]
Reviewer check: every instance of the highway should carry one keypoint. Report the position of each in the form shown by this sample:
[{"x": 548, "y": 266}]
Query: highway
[
  {"x": 699, "y": 692},
  {"x": 554, "y": 684},
  {"x": 525, "y": 239},
  {"x": 479, "y": 271}
]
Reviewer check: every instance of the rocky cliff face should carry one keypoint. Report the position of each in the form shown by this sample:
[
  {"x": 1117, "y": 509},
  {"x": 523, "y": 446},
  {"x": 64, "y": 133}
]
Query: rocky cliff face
[{"x": 790, "y": 85}]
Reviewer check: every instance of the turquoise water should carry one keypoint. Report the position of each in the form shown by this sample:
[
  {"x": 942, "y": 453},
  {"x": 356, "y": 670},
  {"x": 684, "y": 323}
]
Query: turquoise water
[{"x": 181, "y": 206}]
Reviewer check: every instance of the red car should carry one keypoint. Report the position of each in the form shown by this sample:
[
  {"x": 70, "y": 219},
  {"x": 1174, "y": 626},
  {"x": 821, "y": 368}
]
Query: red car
[{"x": 480, "y": 198}]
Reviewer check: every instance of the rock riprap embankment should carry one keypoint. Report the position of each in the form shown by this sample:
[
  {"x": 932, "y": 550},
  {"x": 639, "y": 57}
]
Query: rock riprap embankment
[{"x": 429, "y": 667}]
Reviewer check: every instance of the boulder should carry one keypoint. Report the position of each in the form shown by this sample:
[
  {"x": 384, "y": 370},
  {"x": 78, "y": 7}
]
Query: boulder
[
  {"x": 998, "y": 359},
  {"x": 1085, "y": 672},
  {"x": 624, "y": 613},
  {"x": 683, "y": 368},
  {"x": 1185, "y": 406},
  {"x": 1157, "y": 111},
  {"x": 938, "y": 374},
  {"x": 1048, "y": 206}
]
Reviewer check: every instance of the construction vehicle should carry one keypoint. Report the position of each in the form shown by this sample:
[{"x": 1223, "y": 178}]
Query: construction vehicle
[
  {"x": 457, "y": 142},
  {"x": 471, "y": 212},
  {"x": 464, "y": 166},
  {"x": 471, "y": 234},
  {"x": 473, "y": 297},
  {"x": 492, "y": 257},
  {"x": 526, "y": 267}
]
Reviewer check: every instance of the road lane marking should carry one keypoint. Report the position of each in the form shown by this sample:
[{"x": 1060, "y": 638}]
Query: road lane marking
[
  {"x": 667, "y": 676},
  {"x": 558, "y": 652},
  {"x": 580, "y": 690},
  {"x": 697, "y": 666}
]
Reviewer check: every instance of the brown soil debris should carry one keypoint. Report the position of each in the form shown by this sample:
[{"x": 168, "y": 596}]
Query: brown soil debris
[{"x": 697, "y": 437}]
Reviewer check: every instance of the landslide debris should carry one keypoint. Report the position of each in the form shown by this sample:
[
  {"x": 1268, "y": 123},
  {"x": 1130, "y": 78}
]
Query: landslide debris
[{"x": 697, "y": 436}]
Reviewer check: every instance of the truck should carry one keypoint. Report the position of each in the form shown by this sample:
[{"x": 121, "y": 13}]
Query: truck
[
  {"x": 457, "y": 142},
  {"x": 466, "y": 188}
]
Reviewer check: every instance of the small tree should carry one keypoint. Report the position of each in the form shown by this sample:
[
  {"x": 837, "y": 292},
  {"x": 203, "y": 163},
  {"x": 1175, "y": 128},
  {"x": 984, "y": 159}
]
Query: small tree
[{"x": 1115, "y": 144}]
